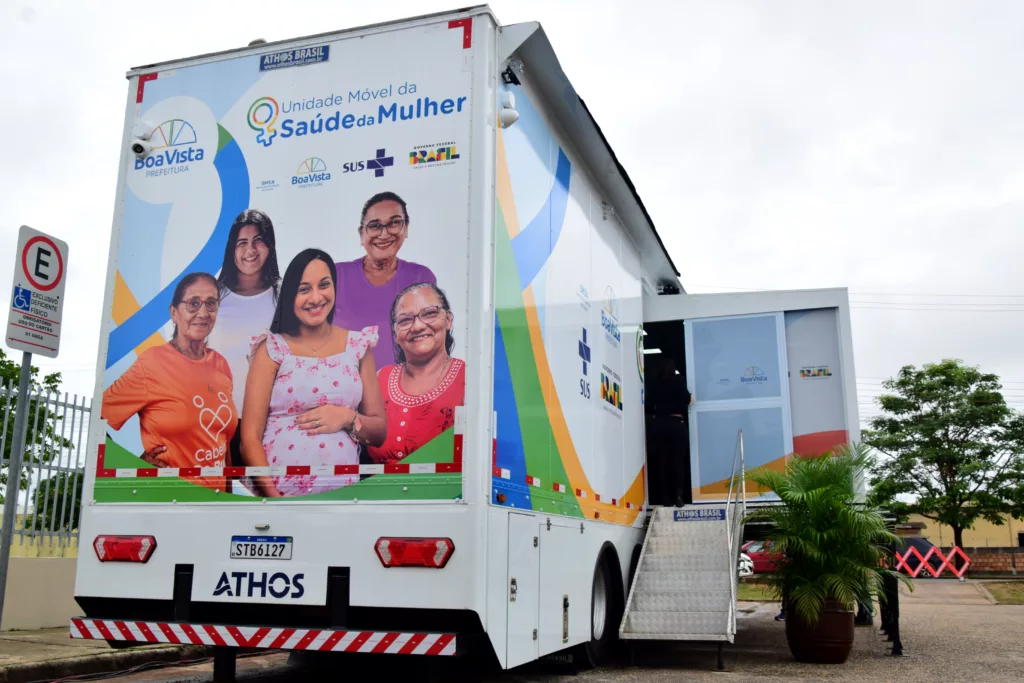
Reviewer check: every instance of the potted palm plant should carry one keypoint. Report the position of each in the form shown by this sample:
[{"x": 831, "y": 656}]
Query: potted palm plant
[{"x": 832, "y": 550}]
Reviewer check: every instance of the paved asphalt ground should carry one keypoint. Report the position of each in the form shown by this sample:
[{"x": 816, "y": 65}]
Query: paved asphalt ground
[{"x": 951, "y": 632}]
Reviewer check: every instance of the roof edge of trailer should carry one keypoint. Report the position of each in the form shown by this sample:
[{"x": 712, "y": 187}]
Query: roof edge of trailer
[
  {"x": 632, "y": 188},
  {"x": 270, "y": 46},
  {"x": 529, "y": 44}
]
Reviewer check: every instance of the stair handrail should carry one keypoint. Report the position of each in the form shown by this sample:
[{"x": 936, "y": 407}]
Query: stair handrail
[{"x": 736, "y": 498}]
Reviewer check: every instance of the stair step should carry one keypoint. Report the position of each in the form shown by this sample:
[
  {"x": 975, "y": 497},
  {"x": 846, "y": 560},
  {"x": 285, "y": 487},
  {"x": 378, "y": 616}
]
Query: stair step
[
  {"x": 681, "y": 601},
  {"x": 683, "y": 546},
  {"x": 682, "y": 581},
  {"x": 682, "y": 637},
  {"x": 686, "y": 563},
  {"x": 703, "y": 530},
  {"x": 666, "y": 623}
]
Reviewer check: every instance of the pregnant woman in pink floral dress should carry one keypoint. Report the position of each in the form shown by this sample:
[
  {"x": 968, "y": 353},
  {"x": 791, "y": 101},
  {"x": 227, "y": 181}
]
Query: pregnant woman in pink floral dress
[{"x": 311, "y": 388}]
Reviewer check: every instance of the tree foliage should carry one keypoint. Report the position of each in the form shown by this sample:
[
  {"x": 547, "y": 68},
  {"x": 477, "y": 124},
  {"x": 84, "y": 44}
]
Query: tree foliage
[
  {"x": 831, "y": 546},
  {"x": 951, "y": 449},
  {"x": 43, "y": 440},
  {"x": 58, "y": 503}
]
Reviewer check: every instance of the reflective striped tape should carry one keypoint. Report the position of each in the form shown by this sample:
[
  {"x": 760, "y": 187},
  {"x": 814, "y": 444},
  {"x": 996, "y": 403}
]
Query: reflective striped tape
[
  {"x": 320, "y": 470},
  {"x": 323, "y": 640}
]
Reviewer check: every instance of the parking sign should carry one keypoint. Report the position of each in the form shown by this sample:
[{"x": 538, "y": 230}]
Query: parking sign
[{"x": 37, "y": 296}]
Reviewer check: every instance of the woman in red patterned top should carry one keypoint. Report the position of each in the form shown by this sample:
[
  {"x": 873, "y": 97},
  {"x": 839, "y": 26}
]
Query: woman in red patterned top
[{"x": 422, "y": 390}]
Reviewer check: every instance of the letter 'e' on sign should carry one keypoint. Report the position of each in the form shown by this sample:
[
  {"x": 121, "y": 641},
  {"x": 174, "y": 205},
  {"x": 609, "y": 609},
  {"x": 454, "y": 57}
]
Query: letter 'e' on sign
[{"x": 37, "y": 296}]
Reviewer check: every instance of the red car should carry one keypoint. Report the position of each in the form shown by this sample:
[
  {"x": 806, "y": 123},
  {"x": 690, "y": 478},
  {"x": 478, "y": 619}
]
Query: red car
[{"x": 762, "y": 556}]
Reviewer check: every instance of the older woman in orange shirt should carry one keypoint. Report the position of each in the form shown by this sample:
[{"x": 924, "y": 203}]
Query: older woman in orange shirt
[{"x": 180, "y": 390}]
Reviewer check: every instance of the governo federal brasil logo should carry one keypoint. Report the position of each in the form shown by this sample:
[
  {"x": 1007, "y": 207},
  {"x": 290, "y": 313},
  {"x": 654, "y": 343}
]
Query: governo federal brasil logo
[
  {"x": 174, "y": 145},
  {"x": 311, "y": 172}
]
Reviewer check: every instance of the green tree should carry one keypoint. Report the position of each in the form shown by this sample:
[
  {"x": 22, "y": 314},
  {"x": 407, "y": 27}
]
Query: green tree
[
  {"x": 53, "y": 503},
  {"x": 43, "y": 439},
  {"x": 949, "y": 445}
]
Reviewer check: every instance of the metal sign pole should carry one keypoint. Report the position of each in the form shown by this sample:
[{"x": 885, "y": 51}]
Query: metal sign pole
[{"x": 14, "y": 475}]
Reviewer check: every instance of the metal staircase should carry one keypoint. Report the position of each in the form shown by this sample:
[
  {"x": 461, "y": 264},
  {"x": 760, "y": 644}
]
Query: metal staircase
[{"x": 685, "y": 584}]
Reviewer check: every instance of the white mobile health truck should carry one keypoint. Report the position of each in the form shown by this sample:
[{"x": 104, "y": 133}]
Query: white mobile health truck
[{"x": 473, "y": 220}]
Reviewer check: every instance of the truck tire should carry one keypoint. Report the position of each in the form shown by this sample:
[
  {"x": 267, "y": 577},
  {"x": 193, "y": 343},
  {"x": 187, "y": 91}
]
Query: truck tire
[{"x": 606, "y": 607}]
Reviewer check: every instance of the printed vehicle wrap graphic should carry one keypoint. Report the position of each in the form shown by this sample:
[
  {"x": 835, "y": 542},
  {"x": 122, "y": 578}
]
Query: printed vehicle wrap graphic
[
  {"x": 308, "y": 147},
  {"x": 561, "y": 447}
]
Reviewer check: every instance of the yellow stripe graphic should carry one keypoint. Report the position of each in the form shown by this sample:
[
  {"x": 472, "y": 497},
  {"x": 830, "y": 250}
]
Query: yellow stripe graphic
[{"x": 125, "y": 306}]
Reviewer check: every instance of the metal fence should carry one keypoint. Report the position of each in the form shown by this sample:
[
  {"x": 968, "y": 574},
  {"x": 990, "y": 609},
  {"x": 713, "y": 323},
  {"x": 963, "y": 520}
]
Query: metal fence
[{"x": 50, "y": 491}]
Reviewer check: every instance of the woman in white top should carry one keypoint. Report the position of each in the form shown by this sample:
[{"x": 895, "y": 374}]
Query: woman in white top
[{"x": 248, "y": 280}]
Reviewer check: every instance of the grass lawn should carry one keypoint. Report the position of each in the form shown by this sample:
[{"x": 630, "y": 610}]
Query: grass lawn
[
  {"x": 754, "y": 592},
  {"x": 1007, "y": 593}
]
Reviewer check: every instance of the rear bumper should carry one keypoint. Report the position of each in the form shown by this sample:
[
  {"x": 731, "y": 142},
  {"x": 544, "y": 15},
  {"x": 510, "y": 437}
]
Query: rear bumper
[{"x": 266, "y": 637}]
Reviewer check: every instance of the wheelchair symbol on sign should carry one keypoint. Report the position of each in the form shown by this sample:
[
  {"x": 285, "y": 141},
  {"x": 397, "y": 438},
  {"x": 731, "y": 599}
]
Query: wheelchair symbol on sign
[{"x": 22, "y": 299}]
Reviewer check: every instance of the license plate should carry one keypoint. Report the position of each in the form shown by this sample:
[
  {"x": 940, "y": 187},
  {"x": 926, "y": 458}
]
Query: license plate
[{"x": 261, "y": 547}]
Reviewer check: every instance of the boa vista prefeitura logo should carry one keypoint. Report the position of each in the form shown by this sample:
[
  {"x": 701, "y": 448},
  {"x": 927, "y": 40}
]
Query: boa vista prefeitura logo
[
  {"x": 174, "y": 146},
  {"x": 753, "y": 375},
  {"x": 311, "y": 172}
]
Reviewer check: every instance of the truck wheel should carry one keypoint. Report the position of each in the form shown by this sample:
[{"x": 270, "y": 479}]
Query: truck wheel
[{"x": 605, "y": 614}]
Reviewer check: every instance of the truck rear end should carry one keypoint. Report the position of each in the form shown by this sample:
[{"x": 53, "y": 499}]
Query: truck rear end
[{"x": 373, "y": 147}]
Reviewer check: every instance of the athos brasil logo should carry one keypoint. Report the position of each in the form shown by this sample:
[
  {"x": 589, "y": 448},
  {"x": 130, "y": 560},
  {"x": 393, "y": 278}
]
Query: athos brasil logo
[
  {"x": 174, "y": 146},
  {"x": 610, "y": 318},
  {"x": 262, "y": 116},
  {"x": 312, "y": 172},
  {"x": 753, "y": 374}
]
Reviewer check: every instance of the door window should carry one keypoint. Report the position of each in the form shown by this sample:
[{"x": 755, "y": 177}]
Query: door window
[{"x": 739, "y": 370}]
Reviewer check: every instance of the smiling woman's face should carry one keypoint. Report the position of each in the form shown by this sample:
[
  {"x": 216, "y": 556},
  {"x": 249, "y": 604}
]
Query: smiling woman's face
[
  {"x": 193, "y": 316},
  {"x": 251, "y": 251},
  {"x": 315, "y": 298},
  {"x": 421, "y": 325},
  {"x": 380, "y": 242}
]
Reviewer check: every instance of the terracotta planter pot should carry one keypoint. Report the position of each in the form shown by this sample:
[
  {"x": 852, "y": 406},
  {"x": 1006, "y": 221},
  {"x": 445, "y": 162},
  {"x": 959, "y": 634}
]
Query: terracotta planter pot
[{"x": 828, "y": 642}]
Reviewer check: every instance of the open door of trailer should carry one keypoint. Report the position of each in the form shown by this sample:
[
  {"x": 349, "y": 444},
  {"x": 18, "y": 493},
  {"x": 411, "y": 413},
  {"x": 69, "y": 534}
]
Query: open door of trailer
[{"x": 774, "y": 366}]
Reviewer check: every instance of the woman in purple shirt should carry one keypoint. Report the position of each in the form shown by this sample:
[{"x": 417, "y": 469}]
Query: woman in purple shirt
[{"x": 367, "y": 287}]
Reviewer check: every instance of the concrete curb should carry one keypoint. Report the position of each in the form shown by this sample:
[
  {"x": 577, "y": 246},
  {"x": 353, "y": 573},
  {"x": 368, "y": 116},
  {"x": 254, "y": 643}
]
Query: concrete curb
[
  {"x": 986, "y": 593},
  {"x": 101, "y": 662}
]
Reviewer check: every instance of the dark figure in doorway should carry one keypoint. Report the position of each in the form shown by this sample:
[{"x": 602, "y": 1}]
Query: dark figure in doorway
[{"x": 668, "y": 445}]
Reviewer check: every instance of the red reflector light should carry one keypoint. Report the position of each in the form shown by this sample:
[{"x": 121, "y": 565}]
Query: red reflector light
[
  {"x": 414, "y": 552},
  {"x": 124, "y": 548}
]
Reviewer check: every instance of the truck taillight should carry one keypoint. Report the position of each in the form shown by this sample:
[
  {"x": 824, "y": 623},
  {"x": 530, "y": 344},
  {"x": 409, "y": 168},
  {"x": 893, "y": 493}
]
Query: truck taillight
[
  {"x": 124, "y": 548},
  {"x": 414, "y": 552}
]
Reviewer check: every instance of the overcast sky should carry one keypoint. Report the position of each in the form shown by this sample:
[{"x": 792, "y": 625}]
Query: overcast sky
[{"x": 877, "y": 146}]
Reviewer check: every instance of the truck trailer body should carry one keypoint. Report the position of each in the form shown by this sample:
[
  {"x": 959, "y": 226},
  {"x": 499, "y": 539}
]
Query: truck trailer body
[{"x": 506, "y": 508}]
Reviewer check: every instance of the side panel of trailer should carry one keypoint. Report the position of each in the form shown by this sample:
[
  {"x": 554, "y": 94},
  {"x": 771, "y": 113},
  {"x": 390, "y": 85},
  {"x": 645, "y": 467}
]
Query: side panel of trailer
[
  {"x": 569, "y": 367},
  {"x": 568, "y": 487}
]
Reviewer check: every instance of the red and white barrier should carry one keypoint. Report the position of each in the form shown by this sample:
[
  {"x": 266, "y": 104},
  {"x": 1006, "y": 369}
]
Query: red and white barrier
[
  {"x": 901, "y": 562},
  {"x": 321, "y": 640}
]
